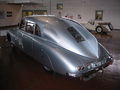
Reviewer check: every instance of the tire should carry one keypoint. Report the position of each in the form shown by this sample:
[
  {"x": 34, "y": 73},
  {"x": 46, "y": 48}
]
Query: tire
[
  {"x": 99, "y": 29},
  {"x": 110, "y": 26}
]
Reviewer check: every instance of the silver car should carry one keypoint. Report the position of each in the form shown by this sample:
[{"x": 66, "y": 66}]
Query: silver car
[{"x": 60, "y": 45}]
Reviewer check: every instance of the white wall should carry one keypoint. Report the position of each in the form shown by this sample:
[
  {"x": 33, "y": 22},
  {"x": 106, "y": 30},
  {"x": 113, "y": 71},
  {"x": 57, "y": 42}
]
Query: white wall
[
  {"x": 86, "y": 8},
  {"x": 16, "y": 15},
  {"x": 51, "y": 8},
  {"x": 21, "y": 1}
]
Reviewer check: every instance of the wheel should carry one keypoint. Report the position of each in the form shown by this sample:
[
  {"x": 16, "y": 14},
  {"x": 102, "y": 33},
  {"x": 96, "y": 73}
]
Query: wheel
[
  {"x": 99, "y": 29},
  {"x": 110, "y": 26}
]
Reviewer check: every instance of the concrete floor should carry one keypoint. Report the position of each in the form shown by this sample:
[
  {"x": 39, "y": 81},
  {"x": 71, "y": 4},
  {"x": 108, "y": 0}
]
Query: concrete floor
[{"x": 20, "y": 72}]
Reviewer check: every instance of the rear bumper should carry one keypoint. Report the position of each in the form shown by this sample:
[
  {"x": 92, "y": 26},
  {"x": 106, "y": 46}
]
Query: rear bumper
[
  {"x": 91, "y": 72},
  {"x": 97, "y": 69}
]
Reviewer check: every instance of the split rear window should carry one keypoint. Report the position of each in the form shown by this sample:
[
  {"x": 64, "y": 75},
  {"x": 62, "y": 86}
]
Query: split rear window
[{"x": 76, "y": 35}]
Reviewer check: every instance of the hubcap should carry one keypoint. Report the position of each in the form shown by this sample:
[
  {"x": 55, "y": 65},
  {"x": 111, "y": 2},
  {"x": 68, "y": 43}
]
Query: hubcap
[{"x": 99, "y": 29}]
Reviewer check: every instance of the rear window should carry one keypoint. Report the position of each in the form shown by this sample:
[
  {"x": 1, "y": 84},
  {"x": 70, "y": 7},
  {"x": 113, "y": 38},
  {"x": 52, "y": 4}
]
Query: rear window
[{"x": 76, "y": 35}]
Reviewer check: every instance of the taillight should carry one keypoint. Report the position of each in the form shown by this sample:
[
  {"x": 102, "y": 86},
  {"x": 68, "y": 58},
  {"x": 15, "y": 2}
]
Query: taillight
[
  {"x": 110, "y": 62},
  {"x": 81, "y": 68}
]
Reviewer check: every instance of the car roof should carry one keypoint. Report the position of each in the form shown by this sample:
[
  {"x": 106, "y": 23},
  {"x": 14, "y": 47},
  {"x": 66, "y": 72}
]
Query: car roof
[{"x": 56, "y": 29}]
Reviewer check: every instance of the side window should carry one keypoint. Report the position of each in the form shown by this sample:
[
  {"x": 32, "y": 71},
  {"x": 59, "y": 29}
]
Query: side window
[
  {"x": 37, "y": 30},
  {"x": 30, "y": 26},
  {"x": 22, "y": 24}
]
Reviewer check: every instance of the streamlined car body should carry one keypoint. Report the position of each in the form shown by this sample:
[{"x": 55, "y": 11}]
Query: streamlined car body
[{"x": 61, "y": 45}]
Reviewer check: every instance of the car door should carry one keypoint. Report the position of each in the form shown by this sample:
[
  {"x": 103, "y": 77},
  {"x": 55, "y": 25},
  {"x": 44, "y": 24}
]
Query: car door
[
  {"x": 37, "y": 44},
  {"x": 27, "y": 37},
  {"x": 39, "y": 50}
]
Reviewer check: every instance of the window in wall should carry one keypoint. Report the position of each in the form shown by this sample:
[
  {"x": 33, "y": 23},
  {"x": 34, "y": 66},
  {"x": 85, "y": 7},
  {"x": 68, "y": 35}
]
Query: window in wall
[
  {"x": 2, "y": 14},
  {"x": 59, "y": 6},
  {"x": 99, "y": 15},
  {"x": 27, "y": 13},
  {"x": 9, "y": 13},
  {"x": 40, "y": 12},
  {"x": 33, "y": 12}
]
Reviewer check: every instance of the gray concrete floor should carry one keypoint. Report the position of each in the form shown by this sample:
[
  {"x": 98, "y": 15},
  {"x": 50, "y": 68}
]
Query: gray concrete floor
[{"x": 21, "y": 72}]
